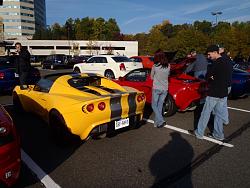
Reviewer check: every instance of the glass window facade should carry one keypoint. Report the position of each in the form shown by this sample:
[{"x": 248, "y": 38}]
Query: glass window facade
[{"x": 22, "y": 17}]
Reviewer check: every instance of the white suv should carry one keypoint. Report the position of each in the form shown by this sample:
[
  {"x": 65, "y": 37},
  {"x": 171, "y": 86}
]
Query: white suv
[{"x": 110, "y": 66}]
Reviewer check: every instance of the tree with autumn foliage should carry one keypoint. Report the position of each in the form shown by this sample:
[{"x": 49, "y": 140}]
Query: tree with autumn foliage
[{"x": 234, "y": 37}]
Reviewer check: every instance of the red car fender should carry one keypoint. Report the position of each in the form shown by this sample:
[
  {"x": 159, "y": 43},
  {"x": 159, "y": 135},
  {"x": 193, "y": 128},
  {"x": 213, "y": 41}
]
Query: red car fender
[{"x": 185, "y": 96}]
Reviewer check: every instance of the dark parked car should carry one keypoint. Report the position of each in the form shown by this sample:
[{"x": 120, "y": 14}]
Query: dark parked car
[
  {"x": 55, "y": 61},
  {"x": 8, "y": 78},
  {"x": 240, "y": 83},
  {"x": 78, "y": 59}
]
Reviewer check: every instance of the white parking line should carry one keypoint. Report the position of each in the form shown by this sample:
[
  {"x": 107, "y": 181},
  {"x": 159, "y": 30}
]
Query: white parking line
[
  {"x": 186, "y": 132},
  {"x": 238, "y": 109},
  {"x": 43, "y": 177}
]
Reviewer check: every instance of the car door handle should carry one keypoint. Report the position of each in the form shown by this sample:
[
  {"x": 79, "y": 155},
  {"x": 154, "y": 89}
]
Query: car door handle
[{"x": 43, "y": 99}]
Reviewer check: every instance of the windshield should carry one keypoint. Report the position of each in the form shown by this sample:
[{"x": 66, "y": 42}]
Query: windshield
[{"x": 79, "y": 82}]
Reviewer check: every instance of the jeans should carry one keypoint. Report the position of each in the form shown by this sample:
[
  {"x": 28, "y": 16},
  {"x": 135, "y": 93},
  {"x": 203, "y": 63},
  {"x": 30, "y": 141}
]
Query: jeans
[
  {"x": 225, "y": 106},
  {"x": 158, "y": 97},
  {"x": 219, "y": 107}
]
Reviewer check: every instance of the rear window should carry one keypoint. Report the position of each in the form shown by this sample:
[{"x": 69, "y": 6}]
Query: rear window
[
  {"x": 80, "y": 82},
  {"x": 121, "y": 59}
]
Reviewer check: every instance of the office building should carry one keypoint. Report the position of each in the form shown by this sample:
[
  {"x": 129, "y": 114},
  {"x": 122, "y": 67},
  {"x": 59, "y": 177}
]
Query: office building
[{"x": 22, "y": 17}]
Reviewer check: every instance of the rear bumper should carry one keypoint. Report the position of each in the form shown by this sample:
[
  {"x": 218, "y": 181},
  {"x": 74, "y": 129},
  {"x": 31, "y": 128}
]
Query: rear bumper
[{"x": 109, "y": 127}]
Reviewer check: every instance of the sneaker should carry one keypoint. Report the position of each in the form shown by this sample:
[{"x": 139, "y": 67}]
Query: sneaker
[
  {"x": 210, "y": 135},
  {"x": 162, "y": 125},
  {"x": 192, "y": 132}
]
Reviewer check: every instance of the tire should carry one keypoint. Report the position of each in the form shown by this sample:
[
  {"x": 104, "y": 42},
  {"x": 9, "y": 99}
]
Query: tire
[
  {"x": 59, "y": 129},
  {"x": 17, "y": 103},
  {"x": 109, "y": 74},
  {"x": 169, "y": 107},
  {"x": 76, "y": 70}
]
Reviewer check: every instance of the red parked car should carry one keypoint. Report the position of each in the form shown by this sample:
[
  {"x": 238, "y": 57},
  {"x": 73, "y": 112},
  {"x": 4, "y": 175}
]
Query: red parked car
[
  {"x": 10, "y": 153},
  {"x": 183, "y": 89},
  {"x": 147, "y": 61}
]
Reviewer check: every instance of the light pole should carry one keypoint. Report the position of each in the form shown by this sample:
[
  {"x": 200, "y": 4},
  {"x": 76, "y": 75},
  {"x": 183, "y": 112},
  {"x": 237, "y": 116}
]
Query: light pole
[
  {"x": 216, "y": 16},
  {"x": 68, "y": 39}
]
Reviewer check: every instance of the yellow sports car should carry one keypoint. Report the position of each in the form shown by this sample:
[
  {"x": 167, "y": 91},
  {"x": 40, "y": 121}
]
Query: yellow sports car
[{"x": 82, "y": 104}]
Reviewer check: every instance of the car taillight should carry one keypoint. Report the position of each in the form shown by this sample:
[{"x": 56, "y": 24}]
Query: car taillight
[
  {"x": 101, "y": 106},
  {"x": 1, "y": 75},
  {"x": 122, "y": 67},
  {"x": 140, "y": 98},
  {"x": 90, "y": 107}
]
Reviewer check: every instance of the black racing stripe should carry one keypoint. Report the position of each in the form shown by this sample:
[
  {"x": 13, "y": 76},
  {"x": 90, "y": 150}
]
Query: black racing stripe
[
  {"x": 109, "y": 90},
  {"x": 132, "y": 103},
  {"x": 115, "y": 107},
  {"x": 87, "y": 90}
]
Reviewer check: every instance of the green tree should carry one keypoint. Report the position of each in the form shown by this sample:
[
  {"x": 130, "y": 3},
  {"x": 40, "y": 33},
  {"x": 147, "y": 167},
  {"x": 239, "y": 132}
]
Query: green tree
[{"x": 112, "y": 30}]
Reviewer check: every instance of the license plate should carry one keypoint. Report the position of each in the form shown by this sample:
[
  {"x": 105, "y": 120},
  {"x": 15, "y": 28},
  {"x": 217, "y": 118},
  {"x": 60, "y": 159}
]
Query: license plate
[{"x": 121, "y": 123}]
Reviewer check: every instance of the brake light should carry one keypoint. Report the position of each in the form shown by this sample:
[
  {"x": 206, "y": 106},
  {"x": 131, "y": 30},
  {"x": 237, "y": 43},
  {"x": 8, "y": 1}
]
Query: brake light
[
  {"x": 140, "y": 98},
  {"x": 143, "y": 96},
  {"x": 101, "y": 106},
  {"x": 122, "y": 67},
  {"x": 90, "y": 107},
  {"x": 1, "y": 75}
]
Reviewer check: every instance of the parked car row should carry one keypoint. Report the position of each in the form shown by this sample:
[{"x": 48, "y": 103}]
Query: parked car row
[{"x": 55, "y": 61}]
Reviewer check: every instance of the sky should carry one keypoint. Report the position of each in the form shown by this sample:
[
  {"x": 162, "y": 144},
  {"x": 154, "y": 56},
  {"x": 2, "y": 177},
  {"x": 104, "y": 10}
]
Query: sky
[{"x": 137, "y": 16}]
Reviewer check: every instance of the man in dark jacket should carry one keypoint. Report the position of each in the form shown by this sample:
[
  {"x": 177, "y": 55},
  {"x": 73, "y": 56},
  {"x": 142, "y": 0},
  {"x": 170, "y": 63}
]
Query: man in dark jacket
[
  {"x": 216, "y": 100},
  {"x": 23, "y": 65}
]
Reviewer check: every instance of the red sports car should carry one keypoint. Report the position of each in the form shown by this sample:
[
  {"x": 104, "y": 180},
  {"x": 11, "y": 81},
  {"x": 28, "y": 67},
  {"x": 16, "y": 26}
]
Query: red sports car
[
  {"x": 10, "y": 154},
  {"x": 183, "y": 89}
]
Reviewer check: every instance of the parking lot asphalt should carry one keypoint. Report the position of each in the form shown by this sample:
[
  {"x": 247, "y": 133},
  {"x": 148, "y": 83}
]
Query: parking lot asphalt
[{"x": 144, "y": 157}]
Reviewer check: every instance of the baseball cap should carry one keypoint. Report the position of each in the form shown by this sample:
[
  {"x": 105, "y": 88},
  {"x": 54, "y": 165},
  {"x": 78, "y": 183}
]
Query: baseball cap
[{"x": 212, "y": 48}]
